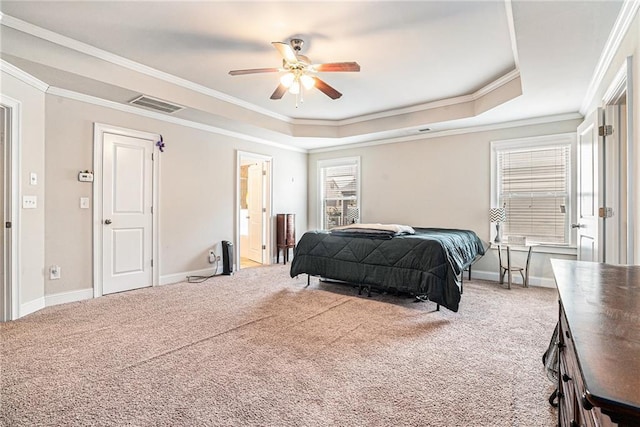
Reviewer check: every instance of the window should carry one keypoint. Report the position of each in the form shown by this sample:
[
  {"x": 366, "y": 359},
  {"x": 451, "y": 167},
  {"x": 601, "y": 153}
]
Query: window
[
  {"x": 532, "y": 180},
  {"x": 339, "y": 191}
]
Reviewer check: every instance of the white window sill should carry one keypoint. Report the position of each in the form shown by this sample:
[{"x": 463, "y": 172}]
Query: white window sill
[{"x": 545, "y": 249}]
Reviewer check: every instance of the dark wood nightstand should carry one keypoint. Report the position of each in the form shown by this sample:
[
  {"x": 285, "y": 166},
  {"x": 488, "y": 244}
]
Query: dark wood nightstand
[{"x": 285, "y": 235}]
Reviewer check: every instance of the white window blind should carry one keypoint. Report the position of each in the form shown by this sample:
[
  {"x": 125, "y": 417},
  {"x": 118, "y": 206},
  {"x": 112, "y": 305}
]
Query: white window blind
[
  {"x": 339, "y": 192},
  {"x": 534, "y": 187}
]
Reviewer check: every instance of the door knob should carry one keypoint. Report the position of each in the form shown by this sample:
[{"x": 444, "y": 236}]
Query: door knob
[
  {"x": 577, "y": 225},
  {"x": 107, "y": 221}
]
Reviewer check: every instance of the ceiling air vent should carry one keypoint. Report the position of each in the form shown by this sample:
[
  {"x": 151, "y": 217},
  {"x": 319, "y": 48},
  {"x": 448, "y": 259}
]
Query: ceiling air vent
[{"x": 156, "y": 104}]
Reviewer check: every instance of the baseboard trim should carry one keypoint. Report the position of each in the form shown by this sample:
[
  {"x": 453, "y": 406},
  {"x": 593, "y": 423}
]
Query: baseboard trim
[
  {"x": 71, "y": 296},
  {"x": 542, "y": 282},
  {"x": 31, "y": 306},
  {"x": 169, "y": 279}
]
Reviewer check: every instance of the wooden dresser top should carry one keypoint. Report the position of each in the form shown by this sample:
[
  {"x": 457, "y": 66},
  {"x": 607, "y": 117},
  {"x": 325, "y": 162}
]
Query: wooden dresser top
[{"x": 602, "y": 305}]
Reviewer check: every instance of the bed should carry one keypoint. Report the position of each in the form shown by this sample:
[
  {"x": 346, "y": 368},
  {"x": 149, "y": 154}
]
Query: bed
[{"x": 427, "y": 263}]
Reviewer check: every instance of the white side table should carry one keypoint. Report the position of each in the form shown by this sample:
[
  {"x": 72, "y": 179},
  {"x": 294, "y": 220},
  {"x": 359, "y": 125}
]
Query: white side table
[{"x": 509, "y": 269}]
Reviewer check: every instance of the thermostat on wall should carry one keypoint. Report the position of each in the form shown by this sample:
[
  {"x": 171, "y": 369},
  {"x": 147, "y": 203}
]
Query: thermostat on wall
[{"x": 85, "y": 176}]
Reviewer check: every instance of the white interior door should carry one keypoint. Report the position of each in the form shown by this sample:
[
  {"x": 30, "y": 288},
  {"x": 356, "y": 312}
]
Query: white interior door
[
  {"x": 256, "y": 211},
  {"x": 615, "y": 196},
  {"x": 589, "y": 226},
  {"x": 126, "y": 213}
]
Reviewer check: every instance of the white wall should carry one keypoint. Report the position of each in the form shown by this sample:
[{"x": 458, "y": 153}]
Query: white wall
[
  {"x": 31, "y": 221},
  {"x": 436, "y": 182},
  {"x": 197, "y": 190}
]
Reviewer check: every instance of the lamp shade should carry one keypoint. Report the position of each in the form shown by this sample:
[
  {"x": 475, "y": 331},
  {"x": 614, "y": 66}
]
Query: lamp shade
[
  {"x": 287, "y": 79},
  {"x": 497, "y": 215}
]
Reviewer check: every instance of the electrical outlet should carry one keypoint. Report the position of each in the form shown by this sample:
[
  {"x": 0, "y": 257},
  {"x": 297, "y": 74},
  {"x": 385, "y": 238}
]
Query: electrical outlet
[
  {"x": 54, "y": 272},
  {"x": 29, "y": 202},
  {"x": 212, "y": 256}
]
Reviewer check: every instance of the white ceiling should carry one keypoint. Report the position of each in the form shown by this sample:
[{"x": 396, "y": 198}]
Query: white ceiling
[{"x": 436, "y": 64}]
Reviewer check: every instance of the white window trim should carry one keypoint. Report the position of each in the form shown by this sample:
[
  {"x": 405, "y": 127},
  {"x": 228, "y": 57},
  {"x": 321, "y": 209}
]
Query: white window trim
[
  {"x": 536, "y": 142},
  {"x": 337, "y": 162}
]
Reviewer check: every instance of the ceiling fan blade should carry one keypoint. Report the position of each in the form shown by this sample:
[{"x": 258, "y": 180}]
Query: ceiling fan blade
[
  {"x": 286, "y": 51},
  {"x": 279, "y": 92},
  {"x": 337, "y": 66},
  {"x": 253, "y": 71},
  {"x": 326, "y": 89}
]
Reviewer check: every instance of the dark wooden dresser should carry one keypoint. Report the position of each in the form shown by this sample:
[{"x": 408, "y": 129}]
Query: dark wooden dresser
[
  {"x": 285, "y": 235},
  {"x": 599, "y": 344}
]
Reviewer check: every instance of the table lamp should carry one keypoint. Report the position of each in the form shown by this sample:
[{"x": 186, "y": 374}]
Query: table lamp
[{"x": 498, "y": 215}]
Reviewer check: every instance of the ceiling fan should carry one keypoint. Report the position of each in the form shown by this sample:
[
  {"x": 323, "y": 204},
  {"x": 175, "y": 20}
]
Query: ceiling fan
[{"x": 299, "y": 71}]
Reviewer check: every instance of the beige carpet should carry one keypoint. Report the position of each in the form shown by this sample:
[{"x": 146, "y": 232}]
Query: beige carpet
[{"x": 258, "y": 349}]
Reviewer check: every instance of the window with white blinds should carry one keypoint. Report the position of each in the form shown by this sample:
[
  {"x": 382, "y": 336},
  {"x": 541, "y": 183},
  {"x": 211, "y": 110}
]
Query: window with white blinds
[
  {"x": 533, "y": 184},
  {"x": 339, "y": 192}
]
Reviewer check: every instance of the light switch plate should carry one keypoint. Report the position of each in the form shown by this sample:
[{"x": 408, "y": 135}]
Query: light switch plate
[
  {"x": 33, "y": 178},
  {"x": 29, "y": 202},
  {"x": 84, "y": 203}
]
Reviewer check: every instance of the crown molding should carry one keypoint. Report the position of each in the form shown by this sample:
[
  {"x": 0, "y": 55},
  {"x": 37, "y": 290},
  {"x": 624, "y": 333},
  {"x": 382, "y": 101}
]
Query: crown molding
[
  {"x": 616, "y": 88},
  {"x": 447, "y": 102},
  {"x": 95, "y": 52},
  {"x": 512, "y": 32},
  {"x": 620, "y": 28},
  {"x": 451, "y": 132},
  {"x": 169, "y": 119},
  {"x": 52, "y": 90},
  {"x": 23, "y": 76}
]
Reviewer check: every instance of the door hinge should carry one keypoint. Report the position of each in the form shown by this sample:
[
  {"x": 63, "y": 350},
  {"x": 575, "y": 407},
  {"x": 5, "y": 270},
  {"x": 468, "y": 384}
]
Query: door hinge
[
  {"x": 605, "y": 212},
  {"x": 151, "y": 263},
  {"x": 151, "y": 209},
  {"x": 7, "y": 224},
  {"x": 152, "y": 159},
  {"x": 605, "y": 130},
  {"x": 264, "y": 209},
  {"x": 264, "y": 173},
  {"x": 264, "y": 247}
]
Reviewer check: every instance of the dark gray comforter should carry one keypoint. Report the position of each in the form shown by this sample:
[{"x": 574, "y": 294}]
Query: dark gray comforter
[{"x": 425, "y": 264}]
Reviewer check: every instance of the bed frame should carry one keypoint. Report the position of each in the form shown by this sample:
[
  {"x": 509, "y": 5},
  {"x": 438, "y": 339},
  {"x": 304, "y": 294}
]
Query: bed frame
[{"x": 419, "y": 298}]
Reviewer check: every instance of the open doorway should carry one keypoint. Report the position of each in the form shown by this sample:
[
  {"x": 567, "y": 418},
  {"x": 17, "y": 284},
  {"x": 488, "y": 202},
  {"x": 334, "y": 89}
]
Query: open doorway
[{"x": 253, "y": 210}]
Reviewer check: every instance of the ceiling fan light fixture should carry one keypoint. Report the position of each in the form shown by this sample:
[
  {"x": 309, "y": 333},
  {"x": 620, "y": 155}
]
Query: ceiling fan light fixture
[
  {"x": 307, "y": 81},
  {"x": 299, "y": 72},
  {"x": 294, "y": 89},
  {"x": 287, "y": 80}
]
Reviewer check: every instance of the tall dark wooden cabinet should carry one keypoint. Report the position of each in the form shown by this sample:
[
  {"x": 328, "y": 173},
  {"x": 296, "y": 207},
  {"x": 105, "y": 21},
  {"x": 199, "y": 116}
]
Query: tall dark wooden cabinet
[
  {"x": 285, "y": 235},
  {"x": 598, "y": 344}
]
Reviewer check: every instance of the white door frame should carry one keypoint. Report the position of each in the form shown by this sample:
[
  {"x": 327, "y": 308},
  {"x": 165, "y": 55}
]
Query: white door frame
[
  {"x": 619, "y": 87},
  {"x": 11, "y": 193},
  {"x": 267, "y": 232},
  {"x": 99, "y": 130}
]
